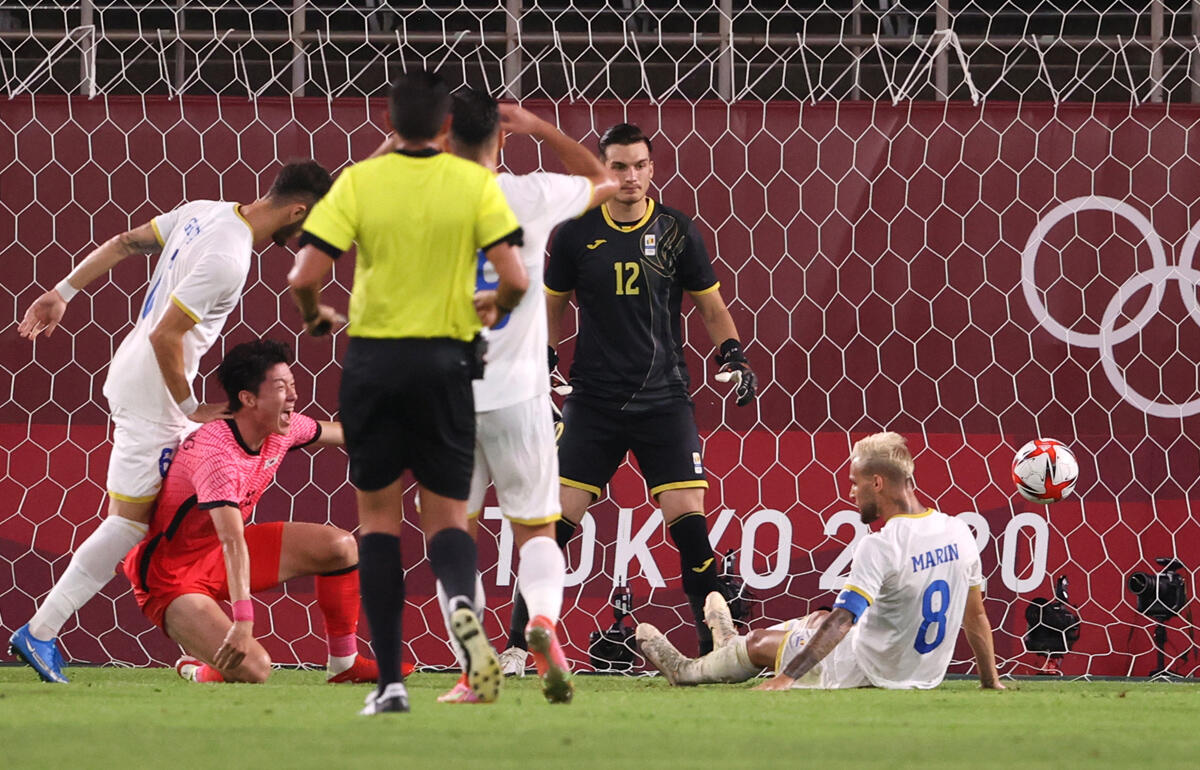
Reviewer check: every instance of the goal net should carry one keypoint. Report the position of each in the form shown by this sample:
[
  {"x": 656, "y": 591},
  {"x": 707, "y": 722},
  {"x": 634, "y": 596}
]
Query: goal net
[{"x": 965, "y": 221}]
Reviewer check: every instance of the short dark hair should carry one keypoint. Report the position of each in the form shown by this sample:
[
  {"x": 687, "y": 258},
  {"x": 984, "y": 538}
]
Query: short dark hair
[
  {"x": 418, "y": 104},
  {"x": 624, "y": 133},
  {"x": 305, "y": 179},
  {"x": 476, "y": 117},
  {"x": 245, "y": 367}
]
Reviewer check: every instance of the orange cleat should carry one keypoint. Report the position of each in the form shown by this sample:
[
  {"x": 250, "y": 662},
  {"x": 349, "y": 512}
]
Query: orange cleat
[
  {"x": 548, "y": 657},
  {"x": 461, "y": 692}
]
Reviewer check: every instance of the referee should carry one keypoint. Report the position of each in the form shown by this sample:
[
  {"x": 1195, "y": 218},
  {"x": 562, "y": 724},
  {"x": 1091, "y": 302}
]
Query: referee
[{"x": 419, "y": 216}]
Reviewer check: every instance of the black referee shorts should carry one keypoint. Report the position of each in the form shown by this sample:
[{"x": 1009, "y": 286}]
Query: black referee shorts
[
  {"x": 408, "y": 403},
  {"x": 664, "y": 441}
]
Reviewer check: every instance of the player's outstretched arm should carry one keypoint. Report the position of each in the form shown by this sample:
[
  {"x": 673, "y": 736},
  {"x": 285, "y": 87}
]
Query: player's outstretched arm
[
  {"x": 730, "y": 358},
  {"x": 576, "y": 159},
  {"x": 978, "y": 629},
  {"x": 833, "y": 629},
  {"x": 47, "y": 310},
  {"x": 227, "y": 520},
  {"x": 331, "y": 434},
  {"x": 305, "y": 280},
  {"x": 387, "y": 145}
]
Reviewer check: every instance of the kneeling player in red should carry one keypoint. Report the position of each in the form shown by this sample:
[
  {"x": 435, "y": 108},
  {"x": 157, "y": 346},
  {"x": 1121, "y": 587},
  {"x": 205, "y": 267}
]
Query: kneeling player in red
[{"x": 199, "y": 550}]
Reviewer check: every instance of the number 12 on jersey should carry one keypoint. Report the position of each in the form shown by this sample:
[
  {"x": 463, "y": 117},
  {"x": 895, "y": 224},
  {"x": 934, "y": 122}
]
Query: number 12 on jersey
[
  {"x": 627, "y": 275},
  {"x": 932, "y": 617}
]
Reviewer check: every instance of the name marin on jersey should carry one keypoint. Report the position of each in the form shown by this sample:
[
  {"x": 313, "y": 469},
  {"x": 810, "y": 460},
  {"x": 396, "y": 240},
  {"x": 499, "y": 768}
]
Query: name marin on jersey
[{"x": 935, "y": 557}]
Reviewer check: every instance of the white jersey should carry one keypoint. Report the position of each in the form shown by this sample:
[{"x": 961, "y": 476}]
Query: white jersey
[
  {"x": 914, "y": 574},
  {"x": 516, "y": 360},
  {"x": 202, "y": 269}
]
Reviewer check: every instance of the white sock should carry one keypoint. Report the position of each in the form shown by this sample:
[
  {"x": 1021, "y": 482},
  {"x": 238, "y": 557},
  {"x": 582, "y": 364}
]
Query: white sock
[
  {"x": 444, "y": 603},
  {"x": 540, "y": 575},
  {"x": 91, "y": 568},
  {"x": 339, "y": 663},
  {"x": 730, "y": 663}
]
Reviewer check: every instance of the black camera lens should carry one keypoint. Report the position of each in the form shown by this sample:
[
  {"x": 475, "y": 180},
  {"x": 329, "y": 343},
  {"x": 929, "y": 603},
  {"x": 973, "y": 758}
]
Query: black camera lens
[{"x": 1139, "y": 582}]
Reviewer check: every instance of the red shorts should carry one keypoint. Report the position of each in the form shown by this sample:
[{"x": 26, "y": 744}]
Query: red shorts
[{"x": 159, "y": 580}]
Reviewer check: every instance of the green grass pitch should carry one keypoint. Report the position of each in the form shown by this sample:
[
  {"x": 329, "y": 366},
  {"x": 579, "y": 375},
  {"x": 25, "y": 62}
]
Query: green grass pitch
[{"x": 109, "y": 717}]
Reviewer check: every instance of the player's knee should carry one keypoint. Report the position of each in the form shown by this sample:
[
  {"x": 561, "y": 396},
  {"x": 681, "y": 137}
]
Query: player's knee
[
  {"x": 343, "y": 550},
  {"x": 814, "y": 619},
  {"x": 255, "y": 669},
  {"x": 760, "y": 646}
]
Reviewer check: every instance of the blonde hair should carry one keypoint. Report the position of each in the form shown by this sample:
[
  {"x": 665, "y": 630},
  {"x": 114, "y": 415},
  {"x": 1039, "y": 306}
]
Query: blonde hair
[{"x": 886, "y": 454}]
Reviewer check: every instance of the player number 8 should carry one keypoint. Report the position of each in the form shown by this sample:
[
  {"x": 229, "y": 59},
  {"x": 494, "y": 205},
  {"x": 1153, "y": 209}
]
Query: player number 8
[{"x": 932, "y": 618}]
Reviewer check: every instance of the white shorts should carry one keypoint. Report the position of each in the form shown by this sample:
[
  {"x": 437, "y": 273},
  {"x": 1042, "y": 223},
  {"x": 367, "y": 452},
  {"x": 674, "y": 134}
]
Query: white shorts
[
  {"x": 839, "y": 670},
  {"x": 514, "y": 450},
  {"x": 141, "y": 453}
]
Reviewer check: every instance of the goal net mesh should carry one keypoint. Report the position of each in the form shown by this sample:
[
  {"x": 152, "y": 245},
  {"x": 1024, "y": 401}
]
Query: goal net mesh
[{"x": 970, "y": 222}]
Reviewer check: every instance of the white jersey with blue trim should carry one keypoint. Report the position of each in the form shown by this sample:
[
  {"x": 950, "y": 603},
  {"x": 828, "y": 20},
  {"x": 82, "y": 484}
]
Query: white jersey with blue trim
[
  {"x": 206, "y": 250},
  {"x": 516, "y": 359},
  {"x": 908, "y": 588}
]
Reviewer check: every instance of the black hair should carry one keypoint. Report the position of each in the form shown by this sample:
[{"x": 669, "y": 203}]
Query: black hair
[
  {"x": 305, "y": 179},
  {"x": 245, "y": 367},
  {"x": 476, "y": 117},
  {"x": 624, "y": 133},
  {"x": 418, "y": 104}
]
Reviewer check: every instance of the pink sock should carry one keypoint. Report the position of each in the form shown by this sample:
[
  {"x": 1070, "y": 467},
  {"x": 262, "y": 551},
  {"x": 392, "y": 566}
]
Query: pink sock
[{"x": 337, "y": 596}]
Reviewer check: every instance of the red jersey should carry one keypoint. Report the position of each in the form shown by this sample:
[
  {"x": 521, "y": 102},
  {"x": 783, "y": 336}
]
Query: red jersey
[{"x": 213, "y": 467}]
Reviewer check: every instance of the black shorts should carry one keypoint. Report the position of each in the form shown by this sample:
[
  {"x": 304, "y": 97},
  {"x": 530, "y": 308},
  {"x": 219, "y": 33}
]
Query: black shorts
[
  {"x": 408, "y": 403},
  {"x": 664, "y": 442}
]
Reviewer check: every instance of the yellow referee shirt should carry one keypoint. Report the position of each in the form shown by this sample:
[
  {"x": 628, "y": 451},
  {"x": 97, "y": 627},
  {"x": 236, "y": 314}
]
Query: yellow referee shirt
[{"x": 419, "y": 219}]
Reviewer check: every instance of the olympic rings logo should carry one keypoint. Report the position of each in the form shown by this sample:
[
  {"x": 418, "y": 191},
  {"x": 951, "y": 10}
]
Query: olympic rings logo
[{"x": 1157, "y": 277}]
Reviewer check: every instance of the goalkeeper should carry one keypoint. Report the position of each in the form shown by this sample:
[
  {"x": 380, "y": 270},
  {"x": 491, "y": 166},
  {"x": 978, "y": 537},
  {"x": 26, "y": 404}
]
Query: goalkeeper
[
  {"x": 913, "y": 584},
  {"x": 628, "y": 263}
]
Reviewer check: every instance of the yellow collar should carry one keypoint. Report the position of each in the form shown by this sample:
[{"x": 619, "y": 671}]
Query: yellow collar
[
  {"x": 913, "y": 515},
  {"x": 628, "y": 228}
]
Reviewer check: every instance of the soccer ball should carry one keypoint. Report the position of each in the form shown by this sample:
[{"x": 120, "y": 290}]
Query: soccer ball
[{"x": 1044, "y": 471}]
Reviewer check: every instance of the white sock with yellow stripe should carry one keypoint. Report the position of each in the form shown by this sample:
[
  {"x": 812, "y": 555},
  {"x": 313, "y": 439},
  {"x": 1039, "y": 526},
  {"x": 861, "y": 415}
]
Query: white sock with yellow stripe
[
  {"x": 540, "y": 576},
  {"x": 90, "y": 569}
]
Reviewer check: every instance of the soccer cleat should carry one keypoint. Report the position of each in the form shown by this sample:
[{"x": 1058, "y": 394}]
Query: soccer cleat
[
  {"x": 660, "y": 652},
  {"x": 187, "y": 666},
  {"x": 718, "y": 619},
  {"x": 393, "y": 699},
  {"x": 483, "y": 668},
  {"x": 548, "y": 657},
  {"x": 42, "y": 657},
  {"x": 513, "y": 661},
  {"x": 364, "y": 671},
  {"x": 461, "y": 692}
]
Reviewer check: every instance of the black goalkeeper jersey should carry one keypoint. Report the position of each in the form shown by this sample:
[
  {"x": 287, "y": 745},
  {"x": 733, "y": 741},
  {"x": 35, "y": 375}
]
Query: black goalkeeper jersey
[{"x": 629, "y": 281}]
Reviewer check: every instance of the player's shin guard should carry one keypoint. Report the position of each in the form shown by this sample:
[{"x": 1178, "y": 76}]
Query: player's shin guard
[
  {"x": 381, "y": 575},
  {"x": 337, "y": 597},
  {"x": 452, "y": 557},
  {"x": 540, "y": 575},
  {"x": 729, "y": 664},
  {"x": 90, "y": 570},
  {"x": 564, "y": 530},
  {"x": 697, "y": 567}
]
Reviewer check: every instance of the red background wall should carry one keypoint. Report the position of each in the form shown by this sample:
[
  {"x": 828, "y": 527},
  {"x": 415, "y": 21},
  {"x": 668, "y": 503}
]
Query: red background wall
[{"x": 871, "y": 256}]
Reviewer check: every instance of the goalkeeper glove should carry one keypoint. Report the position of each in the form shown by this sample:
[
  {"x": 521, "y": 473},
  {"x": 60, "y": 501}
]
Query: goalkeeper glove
[{"x": 735, "y": 367}]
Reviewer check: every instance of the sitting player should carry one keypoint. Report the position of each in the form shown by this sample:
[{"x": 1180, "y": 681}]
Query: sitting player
[
  {"x": 200, "y": 551},
  {"x": 913, "y": 584}
]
